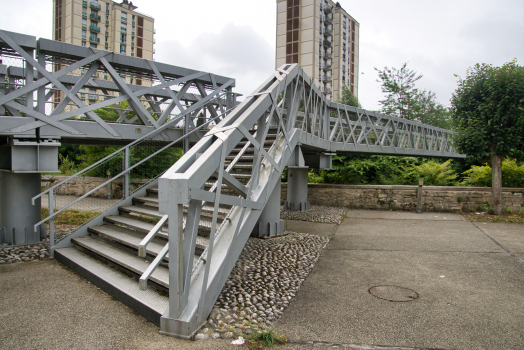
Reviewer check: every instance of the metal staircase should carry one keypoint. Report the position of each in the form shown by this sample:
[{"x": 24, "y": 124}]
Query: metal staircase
[
  {"x": 111, "y": 254},
  {"x": 182, "y": 234}
]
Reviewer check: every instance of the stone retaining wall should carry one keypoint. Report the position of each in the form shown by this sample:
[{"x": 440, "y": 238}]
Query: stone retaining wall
[
  {"x": 435, "y": 198},
  {"x": 82, "y": 185}
]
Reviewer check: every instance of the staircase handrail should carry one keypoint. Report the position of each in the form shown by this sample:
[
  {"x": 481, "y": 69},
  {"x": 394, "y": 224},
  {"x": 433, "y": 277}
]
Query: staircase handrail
[
  {"x": 160, "y": 129},
  {"x": 131, "y": 167}
]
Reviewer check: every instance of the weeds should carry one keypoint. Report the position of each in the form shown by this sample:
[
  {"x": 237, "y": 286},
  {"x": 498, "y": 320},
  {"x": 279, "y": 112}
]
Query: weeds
[
  {"x": 269, "y": 338},
  {"x": 71, "y": 217},
  {"x": 506, "y": 217}
]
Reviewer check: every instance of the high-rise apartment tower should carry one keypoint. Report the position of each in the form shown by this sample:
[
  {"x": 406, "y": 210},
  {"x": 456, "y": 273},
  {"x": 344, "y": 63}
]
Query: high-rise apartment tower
[
  {"x": 323, "y": 39},
  {"x": 105, "y": 25}
]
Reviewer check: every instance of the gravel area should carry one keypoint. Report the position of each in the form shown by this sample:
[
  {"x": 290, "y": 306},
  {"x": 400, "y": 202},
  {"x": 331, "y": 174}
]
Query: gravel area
[
  {"x": 263, "y": 282},
  {"x": 318, "y": 213},
  {"x": 27, "y": 252}
]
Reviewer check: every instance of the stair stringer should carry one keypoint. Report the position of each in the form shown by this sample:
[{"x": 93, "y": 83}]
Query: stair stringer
[{"x": 226, "y": 251}]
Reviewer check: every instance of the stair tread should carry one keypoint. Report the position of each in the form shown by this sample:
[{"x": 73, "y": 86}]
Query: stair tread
[
  {"x": 129, "y": 261},
  {"x": 126, "y": 237},
  {"x": 145, "y": 227},
  {"x": 204, "y": 208},
  {"x": 141, "y": 210},
  {"x": 117, "y": 279}
]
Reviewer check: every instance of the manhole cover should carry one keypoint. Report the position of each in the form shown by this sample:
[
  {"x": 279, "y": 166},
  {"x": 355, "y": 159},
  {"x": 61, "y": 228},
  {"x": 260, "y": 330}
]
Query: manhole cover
[{"x": 393, "y": 293}]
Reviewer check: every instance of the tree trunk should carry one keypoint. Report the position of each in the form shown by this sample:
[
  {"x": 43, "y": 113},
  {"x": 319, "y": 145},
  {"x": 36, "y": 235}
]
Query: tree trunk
[{"x": 496, "y": 187}]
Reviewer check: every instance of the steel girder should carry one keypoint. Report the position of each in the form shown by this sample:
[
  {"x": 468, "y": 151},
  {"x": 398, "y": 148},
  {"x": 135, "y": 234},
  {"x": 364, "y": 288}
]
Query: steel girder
[{"x": 47, "y": 92}]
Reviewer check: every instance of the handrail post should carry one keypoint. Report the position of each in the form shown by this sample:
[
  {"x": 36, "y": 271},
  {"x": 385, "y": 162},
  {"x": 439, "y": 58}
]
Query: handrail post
[
  {"x": 127, "y": 175},
  {"x": 186, "y": 131},
  {"x": 51, "y": 209}
]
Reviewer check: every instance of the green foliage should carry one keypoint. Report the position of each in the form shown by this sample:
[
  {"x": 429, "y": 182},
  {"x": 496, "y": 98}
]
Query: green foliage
[
  {"x": 66, "y": 167},
  {"x": 314, "y": 177},
  {"x": 487, "y": 111},
  {"x": 348, "y": 98},
  {"x": 435, "y": 173},
  {"x": 404, "y": 100},
  {"x": 147, "y": 170},
  {"x": 269, "y": 338},
  {"x": 480, "y": 176},
  {"x": 368, "y": 170}
]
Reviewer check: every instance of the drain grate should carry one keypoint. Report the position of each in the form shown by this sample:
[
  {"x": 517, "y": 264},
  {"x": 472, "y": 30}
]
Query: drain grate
[{"x": 393, "y": 293}]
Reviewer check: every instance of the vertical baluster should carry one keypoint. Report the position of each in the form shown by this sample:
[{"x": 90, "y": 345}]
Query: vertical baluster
[{"x": 51, "y": 206}]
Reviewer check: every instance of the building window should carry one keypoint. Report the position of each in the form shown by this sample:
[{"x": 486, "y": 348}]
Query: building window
[
  {"x": 84, "y": 23},
  {"x": 58, "y": 20},
  {"x": 123, "y": 49},
  {"x": 123, "y": 17},
  {"x": 84, "y": 12},
  {"x": 123, "y": 37},
  {"x": 293, "y": 28},
  {"x": 84, "y": 35},
  {"x": 83, "y": 43},
  {"x": 93, "y": 46},
  {"x": 123, "y": 27},
  {"x": 139, "y": 52}
]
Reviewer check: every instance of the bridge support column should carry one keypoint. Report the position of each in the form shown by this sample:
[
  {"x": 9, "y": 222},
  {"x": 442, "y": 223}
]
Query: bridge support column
[
  {"x": 17, "y": 215},
  {"x": 297, "y": 188},
  {"x": 269, "y": 223}
]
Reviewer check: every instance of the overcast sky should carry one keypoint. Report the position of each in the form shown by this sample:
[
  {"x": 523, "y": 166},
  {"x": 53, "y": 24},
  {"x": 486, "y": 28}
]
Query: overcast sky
[{"x": 236, "y": 38}]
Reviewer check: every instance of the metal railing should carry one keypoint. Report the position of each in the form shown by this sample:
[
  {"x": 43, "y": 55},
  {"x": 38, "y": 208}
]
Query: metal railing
[{"x": 147, "y": 156}]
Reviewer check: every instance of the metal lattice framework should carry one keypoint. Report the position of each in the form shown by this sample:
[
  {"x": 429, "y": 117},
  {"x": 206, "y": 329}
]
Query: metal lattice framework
[
  {"x": 63, "y": 90},
  {"x": 291, "y": 106}
]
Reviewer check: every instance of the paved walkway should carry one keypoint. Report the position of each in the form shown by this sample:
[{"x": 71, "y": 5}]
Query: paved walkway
[{"x": 469, "y": 279}]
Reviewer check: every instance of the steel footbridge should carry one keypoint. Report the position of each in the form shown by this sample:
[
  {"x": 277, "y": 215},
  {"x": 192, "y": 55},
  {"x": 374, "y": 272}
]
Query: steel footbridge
[{"x": 167, "y": 246}]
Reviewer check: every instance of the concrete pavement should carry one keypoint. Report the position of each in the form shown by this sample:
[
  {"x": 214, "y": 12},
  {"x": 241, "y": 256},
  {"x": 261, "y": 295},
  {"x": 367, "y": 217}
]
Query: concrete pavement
[{"x": 469, "y": 279}]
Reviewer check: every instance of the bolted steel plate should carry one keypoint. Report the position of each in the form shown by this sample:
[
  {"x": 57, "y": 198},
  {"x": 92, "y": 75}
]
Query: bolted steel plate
[{"x": 393, "y": 293}]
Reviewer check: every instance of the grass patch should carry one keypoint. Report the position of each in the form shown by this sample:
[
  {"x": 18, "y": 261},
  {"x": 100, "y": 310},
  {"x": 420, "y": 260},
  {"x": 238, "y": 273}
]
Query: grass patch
[
  {"x": 269, "y": 338},
  {"x": 508, "y": 217},
  {"x": 71, "y": 217}
]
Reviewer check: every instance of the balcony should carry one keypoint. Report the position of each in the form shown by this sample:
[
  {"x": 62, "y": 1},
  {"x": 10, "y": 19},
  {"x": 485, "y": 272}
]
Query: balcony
[
  {"x": 328, "y": 31},
  {"x": 133, "y": 23},
  {"x": 107, "y": 22},
  {"x": 328, "y": 19},
  {"x": 94, "y": 28},
  {"x": 326, "y": 66},
  {"x": 84, "y": 16},
  {"x": 84, "y": 3},
  {"x": 94, "y": 18},
  {"x": 326, "y": 78},
  {"x": 95, "y": 6},
  {"x": 328, "y": 55},
  {"x": 327, "y": 42},
  {"x": 95, "y": 41},
  {"x": 123, "y": 20},
  {"x": 328, "y": 9},
  {"x": 326, "y": 90}
]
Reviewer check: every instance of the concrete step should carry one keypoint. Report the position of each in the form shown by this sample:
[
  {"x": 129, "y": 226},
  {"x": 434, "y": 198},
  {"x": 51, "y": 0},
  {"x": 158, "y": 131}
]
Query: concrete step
[
  {"x": 148, "y": 303},
  {"x": 145, "y": 227},
  {"x": 124, "y": 259},
  {"x": 204, "y": 225}
]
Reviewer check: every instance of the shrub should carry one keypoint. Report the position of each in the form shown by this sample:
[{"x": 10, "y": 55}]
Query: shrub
[
  {"x": 512, "y": 175},
  {"x": 435, "y": 173}
]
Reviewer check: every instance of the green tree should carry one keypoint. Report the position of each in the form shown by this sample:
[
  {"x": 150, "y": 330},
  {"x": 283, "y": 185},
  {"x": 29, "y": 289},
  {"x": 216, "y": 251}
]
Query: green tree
[
  {"x": 404, "y": 100},
  {"x": 348, "y": 98},
  {"x": 487, "y": 114}
]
